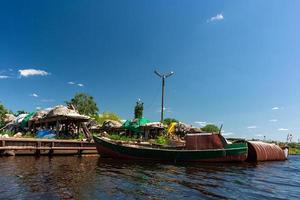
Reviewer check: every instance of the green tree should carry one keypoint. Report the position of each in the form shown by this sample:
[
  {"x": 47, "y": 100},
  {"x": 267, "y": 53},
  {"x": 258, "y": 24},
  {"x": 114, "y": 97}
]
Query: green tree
[
  {"x": 107, "y": 116},
  {"x": 138, "y": 109},
  {"x": 210, "y": 128},
  {"x": 168, "y": 121},
  {"x": 84, "y": 103},
  {"x": 3, "y": 111}
]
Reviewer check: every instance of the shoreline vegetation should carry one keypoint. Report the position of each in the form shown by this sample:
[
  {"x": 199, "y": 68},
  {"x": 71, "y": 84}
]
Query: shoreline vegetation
[{"x": 294, "y": 151}]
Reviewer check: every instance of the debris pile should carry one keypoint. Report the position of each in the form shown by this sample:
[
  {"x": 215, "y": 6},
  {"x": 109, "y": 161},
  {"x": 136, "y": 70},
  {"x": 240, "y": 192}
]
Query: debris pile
[{"x": 59, "y": 119}]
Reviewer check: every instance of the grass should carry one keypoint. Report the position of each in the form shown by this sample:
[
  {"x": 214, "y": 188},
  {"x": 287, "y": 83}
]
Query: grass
[
  {"x": 9, "y": 133},
  {"x": 80, "y": 136},
  {"x": 121, "y": 137},
  {"x": 162, "y": 140},
  {"x": 29, "y": 135},
  {"x": 294, "y": 151}
]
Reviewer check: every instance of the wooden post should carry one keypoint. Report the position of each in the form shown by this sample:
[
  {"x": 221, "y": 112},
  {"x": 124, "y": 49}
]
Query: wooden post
[
  {"x": 57, "y": 127},
  {"x": 146, "y": 131},
  {"x": 51, "y": 151},
  {"x": 78, "y": 127},
  {"x": 38, "y": 151},
  {"x": 80, "y": 151}
]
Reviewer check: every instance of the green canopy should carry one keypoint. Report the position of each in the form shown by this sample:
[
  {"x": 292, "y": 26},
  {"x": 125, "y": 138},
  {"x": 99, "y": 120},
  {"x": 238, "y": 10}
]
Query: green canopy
[
  {"x": 134, "y": 125},
  {"x": 26, "y": 119}
]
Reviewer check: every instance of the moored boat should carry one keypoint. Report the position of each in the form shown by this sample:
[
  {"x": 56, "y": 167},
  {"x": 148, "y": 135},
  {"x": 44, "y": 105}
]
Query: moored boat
[{"x": 198, "y": 148}]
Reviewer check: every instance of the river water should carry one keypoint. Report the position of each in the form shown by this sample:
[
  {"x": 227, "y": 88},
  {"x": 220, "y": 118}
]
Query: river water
[{"x": 95, "y": 178}]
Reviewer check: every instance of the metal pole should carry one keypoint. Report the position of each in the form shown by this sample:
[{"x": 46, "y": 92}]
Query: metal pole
[
  {"x": 162, "y": 99},
  {"x": 163, "y": 77}
]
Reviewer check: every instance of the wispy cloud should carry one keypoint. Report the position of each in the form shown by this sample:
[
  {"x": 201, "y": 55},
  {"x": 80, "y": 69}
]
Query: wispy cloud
[
  {"x": 5, "y": 74},
  {"x": 38, "y": 108},
  {"x": 4, "y": 77},
  {"x": 200, "y": 123},
  {"x": 259, "y": 135},
  {"x": 275, "y": 108},
  {"x": 217, "y": 17},
  {"x": 283, "y": 129},
  {"x": 168, "y": 110},
  {"x": 74, "y": 83},
  {"x": 228, "y": 133},
  {"x": 32, "y": 72},
  {"x": 47, "y": 100},
  {"x": 273, "y": 120},
  {"x": 252, "y": 127},
  {"x": 34, "y": 95}
]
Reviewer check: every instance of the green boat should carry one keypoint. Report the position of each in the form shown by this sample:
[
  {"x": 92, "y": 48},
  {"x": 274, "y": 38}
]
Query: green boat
[{"x": 205, "y": 150}]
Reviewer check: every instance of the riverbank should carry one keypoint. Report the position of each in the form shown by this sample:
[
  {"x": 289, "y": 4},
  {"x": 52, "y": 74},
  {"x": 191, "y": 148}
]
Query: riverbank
[{"x": 294, "y": 151}]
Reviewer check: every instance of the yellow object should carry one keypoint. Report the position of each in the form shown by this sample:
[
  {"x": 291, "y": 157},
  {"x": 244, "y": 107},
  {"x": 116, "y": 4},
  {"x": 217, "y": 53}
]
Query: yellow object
[{"x": 171, "y": 129}]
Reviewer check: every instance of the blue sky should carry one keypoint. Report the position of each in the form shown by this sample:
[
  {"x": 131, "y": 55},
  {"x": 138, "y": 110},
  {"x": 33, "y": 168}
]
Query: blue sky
[{"x": 235, "y": 62}]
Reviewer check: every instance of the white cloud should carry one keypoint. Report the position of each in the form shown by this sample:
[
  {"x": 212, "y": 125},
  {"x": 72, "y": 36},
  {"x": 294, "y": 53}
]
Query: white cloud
[
  {"x": 74, "y": 83},
  {"x": 252, "y": 127},
  {"x": 218, "y": 17},
  {"x": 259, "y": 135},
  {"x": 275, "y": 108},
  {"x": 273, "y": 120},
  {"x": 168, "y": 110},
  {"x": 4, "y": 77},
  {"x": 34, "y": 95},
  {"x": 283, "y": 129},
  {"x": 227, "y": 133},
  {"x": 32, "y": 72},
  {"x": 200, "y": 123},
  {"x": 38, "y": 108}
]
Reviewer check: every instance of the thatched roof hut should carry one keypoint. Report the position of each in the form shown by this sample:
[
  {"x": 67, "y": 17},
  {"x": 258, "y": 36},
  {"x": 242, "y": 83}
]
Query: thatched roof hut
[
  {"x": 59, "y": 113},
  {"x": 9, "y": 118},
  {"x": 111, "y": 124}
]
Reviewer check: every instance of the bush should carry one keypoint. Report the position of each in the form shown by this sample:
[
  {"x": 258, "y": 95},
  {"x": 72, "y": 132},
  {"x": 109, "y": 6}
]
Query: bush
[
  {"x": 168, "y": 121},
  {"x": 3, "y": 111},
  {"x": 29, "y": 135},
  {"x": 84, "y": 103},
  {"x": 122, "y": 137},
  {"x": 162, "y": 140},
  {"x": 138, "y": 110},
  {"x": 210, "y": 128},
  {"x": 9, "y": 133},
  {"x": 106, "y": 116}
]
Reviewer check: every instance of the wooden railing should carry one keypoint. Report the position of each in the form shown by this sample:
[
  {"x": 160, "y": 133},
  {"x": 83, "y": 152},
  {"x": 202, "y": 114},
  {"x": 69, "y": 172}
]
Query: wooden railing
[{"x": 46, "y": 146}]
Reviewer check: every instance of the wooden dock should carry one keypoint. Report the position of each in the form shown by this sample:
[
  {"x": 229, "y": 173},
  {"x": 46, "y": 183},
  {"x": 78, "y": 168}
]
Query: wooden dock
[{"x": 26, "y": 146}]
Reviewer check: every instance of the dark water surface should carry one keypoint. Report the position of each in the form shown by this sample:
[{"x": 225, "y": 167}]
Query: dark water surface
[{"x": 96, "y": 178}]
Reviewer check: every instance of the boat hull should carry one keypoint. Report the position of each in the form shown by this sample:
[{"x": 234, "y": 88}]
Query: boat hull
[{"x": 231, "y": 153}]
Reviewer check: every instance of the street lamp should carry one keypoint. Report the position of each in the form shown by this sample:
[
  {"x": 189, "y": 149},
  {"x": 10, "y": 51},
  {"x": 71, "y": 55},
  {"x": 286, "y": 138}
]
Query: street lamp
[{"x": 163, "y": 77}]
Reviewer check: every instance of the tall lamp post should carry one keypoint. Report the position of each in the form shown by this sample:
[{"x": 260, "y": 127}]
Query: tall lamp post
[{"x": 163, "y": 77}]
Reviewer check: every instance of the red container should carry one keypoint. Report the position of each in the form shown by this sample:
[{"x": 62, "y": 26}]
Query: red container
[
  {"x": 201, "y": 141},
  {"x": 261, "y": 151}
]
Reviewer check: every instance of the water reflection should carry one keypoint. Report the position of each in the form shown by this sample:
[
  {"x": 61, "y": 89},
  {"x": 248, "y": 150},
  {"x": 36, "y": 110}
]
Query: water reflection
[{"x": 98, "y": 178}]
